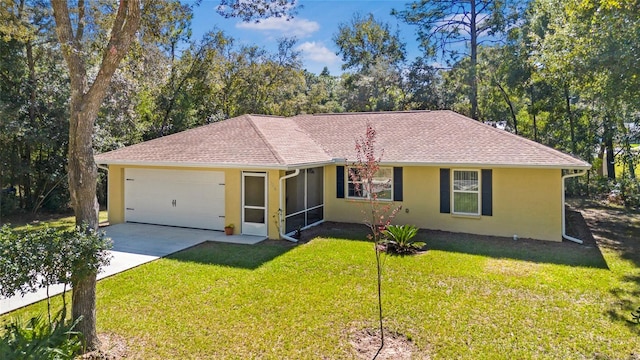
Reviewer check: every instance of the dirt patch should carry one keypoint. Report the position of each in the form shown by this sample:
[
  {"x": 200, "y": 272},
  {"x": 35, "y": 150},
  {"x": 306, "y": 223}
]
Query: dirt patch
[
  {"x": 112, "y": 347},
  {"x": 366, "y": 343}
]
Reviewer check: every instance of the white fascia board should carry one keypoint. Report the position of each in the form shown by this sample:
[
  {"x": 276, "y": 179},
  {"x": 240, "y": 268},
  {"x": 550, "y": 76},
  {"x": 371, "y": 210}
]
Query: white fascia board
[
  {"x": 479, "y": 165},
  {"x": 340, "y": 162},
  {"x": 193, "y": 165},
  {"x": 215, "y": 165}
]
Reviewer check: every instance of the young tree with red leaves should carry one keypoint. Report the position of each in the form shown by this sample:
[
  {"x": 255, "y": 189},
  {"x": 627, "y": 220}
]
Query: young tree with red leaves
[{"x": 378, "y": 216}]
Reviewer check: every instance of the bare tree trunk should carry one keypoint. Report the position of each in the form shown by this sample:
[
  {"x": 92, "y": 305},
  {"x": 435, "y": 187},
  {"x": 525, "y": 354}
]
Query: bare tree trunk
[
  {"x": 510, "y": 104},
  {"x": 83, "y": 300},
  {"x": 84, "y": 105},
  {"x": 572, "y": 129},
  {"x": 473, "y": 96}
]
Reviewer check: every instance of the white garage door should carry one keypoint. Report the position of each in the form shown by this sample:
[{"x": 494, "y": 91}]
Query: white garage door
[{"x": 175, "y": 197}]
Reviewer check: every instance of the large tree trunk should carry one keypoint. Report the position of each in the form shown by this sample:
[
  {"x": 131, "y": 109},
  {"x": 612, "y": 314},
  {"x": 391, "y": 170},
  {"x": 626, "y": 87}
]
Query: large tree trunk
[
  {"x": 84, "y": 105},
  {"x": 83, "y": 173},
  {"x": 83, "y": 299}
]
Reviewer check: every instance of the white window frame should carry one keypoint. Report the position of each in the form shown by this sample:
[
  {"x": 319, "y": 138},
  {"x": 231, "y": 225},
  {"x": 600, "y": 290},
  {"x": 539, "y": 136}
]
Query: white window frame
[
  {"x": 454, "y": 191},
  {"x": 368, "y": 195}
]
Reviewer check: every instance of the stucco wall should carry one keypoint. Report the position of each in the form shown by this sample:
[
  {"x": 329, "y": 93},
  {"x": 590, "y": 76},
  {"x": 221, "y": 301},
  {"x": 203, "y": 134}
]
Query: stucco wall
[
  {"x": 526, "y": 202},
  {"x": 233, "y": 195}
]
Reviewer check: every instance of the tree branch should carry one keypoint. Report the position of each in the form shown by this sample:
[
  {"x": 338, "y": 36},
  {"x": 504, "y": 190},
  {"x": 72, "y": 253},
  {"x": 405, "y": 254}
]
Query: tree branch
[{"x": 122, "y": 34}]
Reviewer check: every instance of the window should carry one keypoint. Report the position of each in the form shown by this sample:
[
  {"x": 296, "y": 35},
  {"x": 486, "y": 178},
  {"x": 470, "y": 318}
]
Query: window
[
  {"x": 466, "y": 192},
  {"x": 382, "y": 185}
]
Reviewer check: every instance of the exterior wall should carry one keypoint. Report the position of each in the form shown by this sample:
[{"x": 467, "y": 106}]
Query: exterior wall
[
  {"x": 233, "y": 195},
  {"x": 526, "y": 202}
]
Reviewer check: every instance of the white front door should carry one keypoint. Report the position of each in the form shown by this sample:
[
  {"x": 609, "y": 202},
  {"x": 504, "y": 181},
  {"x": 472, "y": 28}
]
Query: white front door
[
  {"x": 187, "y": 198},
  {"x": 254, "y": 203}
]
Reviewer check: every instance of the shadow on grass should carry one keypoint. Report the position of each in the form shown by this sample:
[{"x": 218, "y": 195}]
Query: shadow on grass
[
  {"x": 628, "y": 301},
  {"x": 564, "y": 253},
  {"x": 233, "y": 255},
  {"x": 617, "y": 230}
]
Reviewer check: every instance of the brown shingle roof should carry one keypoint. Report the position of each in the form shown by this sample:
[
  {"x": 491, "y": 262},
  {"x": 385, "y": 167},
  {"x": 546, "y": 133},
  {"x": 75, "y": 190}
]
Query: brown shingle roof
[{"x": 418, "y": 137}]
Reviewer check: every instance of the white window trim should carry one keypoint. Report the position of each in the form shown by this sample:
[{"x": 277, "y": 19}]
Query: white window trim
[
  {"x": 453, "y": 192},
  {"x": 348, "y": 181}
]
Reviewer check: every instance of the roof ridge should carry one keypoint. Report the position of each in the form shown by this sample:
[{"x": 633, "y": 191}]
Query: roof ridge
[
  {"x": 264, "y": 139},
  {"x": 367, "y": 113},
  {"x": 540, "y": 146}
]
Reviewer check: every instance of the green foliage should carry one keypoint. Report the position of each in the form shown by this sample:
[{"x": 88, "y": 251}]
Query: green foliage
[
  {"x": 376, "y": 57},
  {"x": 9, "y": 203},
  {"x": 365, "y": 42},
  {"x": 399, "y": 239},
  {"x": 36, "y": 258},
  {"x": 37, "y": 339}
]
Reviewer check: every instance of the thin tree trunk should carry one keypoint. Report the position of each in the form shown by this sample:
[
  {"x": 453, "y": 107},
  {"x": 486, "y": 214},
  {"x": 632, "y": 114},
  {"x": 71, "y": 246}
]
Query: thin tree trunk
[
  {"x": 572, "y": 129},
  {"x": 473, "y": 96},
  {"x": 510, "y": 104},
  {"x": 611, "y": 168},
  {"x": 533, "y": 113}
]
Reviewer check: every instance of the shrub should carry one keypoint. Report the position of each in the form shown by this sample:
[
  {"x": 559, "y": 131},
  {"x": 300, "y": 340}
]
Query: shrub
[
  {"x": 399, "y": 239},
  {"x": 36, "y": 339}
]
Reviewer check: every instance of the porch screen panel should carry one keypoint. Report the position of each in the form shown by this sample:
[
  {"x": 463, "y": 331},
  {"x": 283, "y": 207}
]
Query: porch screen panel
[
  {"x": 295, "y": 193},
  {"x": 304, "y": 199},
  {"x": 315, "y": 187}
]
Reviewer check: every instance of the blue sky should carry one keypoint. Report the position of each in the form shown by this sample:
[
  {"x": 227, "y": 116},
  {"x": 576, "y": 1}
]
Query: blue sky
[{"x": 313, "y": 26}]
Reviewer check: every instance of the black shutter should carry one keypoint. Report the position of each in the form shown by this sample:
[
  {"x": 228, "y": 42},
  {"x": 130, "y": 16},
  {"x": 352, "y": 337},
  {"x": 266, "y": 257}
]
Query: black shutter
[
  {"x": 487, "y": 187},
  {"x": 445, "y": 191},
  {"x": 340, "y": 182},
  {"x": 397, "y": 184}
]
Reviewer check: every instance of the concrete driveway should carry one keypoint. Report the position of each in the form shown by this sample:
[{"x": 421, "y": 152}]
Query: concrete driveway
[{"x": 134, "y": 245}]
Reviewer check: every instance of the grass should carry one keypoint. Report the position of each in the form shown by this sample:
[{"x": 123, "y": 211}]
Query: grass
[
  {"x": 466, "y": 297},
  {"x": 55, "y": 222}
]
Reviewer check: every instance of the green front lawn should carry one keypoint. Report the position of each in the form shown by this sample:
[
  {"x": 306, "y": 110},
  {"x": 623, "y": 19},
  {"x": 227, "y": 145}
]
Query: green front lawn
[
  {"x": 466, "y": 297},
  {"x": 67, "y": 222}
]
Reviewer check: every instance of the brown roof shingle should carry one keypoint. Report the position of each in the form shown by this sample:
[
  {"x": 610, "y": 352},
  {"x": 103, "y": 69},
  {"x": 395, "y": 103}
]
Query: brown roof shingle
[{"x": 412, "y": 137}]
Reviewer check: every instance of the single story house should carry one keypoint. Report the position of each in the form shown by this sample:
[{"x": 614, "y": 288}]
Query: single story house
[{"x": 270, "y": 176}]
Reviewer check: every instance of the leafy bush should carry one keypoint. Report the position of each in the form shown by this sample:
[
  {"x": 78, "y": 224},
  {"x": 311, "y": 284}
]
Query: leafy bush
[
  {"x": 37, "y": 339},
  {"x": 36, "y": 259},
  {"x": 399, "y": 239},
  {"x": 624, "y": 190},
  {"x": 9, "y": 203}
]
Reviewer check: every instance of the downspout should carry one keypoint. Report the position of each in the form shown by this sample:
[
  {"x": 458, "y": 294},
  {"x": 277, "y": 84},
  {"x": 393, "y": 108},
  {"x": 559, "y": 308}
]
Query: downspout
[
  {"x": 107, "y": 170},
  {"x": 564, "y": 218},
  {"x": 281, "y": 209}
]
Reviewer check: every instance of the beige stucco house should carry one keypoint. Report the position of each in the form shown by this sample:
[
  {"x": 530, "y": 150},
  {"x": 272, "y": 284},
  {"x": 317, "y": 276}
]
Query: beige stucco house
[{"x": 272, "y": 175}]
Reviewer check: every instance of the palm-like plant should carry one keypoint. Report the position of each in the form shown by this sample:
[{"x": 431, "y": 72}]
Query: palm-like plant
[{"x": 399, "y": 239}]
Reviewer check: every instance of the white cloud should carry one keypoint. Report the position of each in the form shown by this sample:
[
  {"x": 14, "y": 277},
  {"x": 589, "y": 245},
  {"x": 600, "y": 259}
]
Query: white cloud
[
  {"x": 317, "y": 52},
  {"x": 295, "y": 27}
]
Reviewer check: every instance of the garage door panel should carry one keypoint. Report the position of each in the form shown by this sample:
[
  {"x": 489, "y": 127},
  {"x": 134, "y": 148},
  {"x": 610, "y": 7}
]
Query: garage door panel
[{"x": 186, "y": 198}]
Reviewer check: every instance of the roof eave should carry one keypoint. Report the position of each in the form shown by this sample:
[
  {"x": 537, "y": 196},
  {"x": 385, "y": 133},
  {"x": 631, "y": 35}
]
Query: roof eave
[
  {"x": 214, "y": 165},
  {"x": 477, "y": 165},
  {"x": 338, "y": 162},
  {"x": 192, "y": 164}
]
